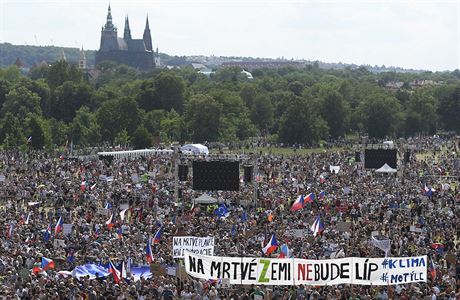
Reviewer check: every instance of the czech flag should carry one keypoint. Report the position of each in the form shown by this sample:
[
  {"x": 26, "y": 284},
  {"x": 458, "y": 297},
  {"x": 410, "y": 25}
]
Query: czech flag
[
  {"x": 122, "y": 214},
  {"x": 285, "y": 252},
  {"x": 318, "y": 227},
  {"x": 322, "y": 194},
  {"x": 47, "y": 234},
  {"x": 148, "y": 252},
  {"x": 271, "y": 246},
  {"x": 432, "y": 270},
  {"x": 157, "y": 237},
  {"x": 298, "y": 204},
  {"x": 322, "y": 179},
  {"x": 110, "y": 222},
  {"x": 310, "y": 198},
  {"x": 116, "y": 274},
  {"x": 47, "y": 264},
  {"x": 83, "y": 186},
  {"x": 108, "y": 205},
  {"x": 59, "y": 226},
  {"x": 9, "y": 233}
]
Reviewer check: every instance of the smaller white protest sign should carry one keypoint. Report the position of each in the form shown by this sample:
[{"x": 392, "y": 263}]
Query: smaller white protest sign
[
  {"x": 198, "y": 245},
  {"x": 67, "y": 229}
]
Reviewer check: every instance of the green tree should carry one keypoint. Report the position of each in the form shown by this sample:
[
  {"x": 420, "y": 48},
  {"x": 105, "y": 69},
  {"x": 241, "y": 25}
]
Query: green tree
[
  {"x": 11, "y": 133},
  {"x": 20, "y": 101},
  {"x": 116, "y": 115},
  {"x": 37, "y": 131},
  {"x": 60, "y": 72},
  {"x": 122, "y": 138},
  {"x": 68, "y": 98},
  {"x": 203, "y": 117},
  {"x": 449, "y": 106},
  {"x": 171, "y": 126},
  {"x": 381, "y": 115},
  {"x": 169, "y": 92},
  {"x": 333, "y": 111},
  {"x": 141, "y": 138},
  {"x": 299, "y": 123},
  {"x": 262, "y": 112}
]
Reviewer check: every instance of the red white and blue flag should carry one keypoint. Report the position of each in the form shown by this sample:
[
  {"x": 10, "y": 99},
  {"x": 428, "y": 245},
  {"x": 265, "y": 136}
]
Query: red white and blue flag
[
  {"x": 271, "y": 246},
  {"x": 318, "y": 227},
  {"x": 47, "y": 264},
  {"x": 322, "y": 195},
  {"x": 157, "y": 236},
  {"x": 115, "y": 272},
  {"x": 432, "y": 270},
  {"x": 59, "y": 226},
  {"x": 148, "y": 252},
  {"x": 310, "y": 198},
  {"x": 298, "y": 204},
  {"x": 110, "y": 222},
  {"x": 10, "y": 231}
]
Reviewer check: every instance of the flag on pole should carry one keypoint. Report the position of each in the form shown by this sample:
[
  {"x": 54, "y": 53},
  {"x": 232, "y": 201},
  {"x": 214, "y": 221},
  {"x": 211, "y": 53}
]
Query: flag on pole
[
  {"x": 59, "y": 226},
  {"x": 321, "y": 195},
  {"x": 271, "y": 246},
  {"x": 310, "y": 198},
  {"x": 47, "y": 264},
  {"x": 122, "y": 214},
  {"x": 157, "y": 236},
  {"x": 318, "y": 227},
  {"x": 110, "y": 222},
  {"x": 148, "y": 252},
  {"x": 432, "y": 270},
  {"x": 298, "y": 203},
  {"x": 9, "y": 233},
  {"x": 116, "y": 274}
]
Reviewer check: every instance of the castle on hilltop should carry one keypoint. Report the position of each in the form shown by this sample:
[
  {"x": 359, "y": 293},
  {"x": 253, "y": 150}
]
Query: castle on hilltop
[{"x": 136, "y": 53}]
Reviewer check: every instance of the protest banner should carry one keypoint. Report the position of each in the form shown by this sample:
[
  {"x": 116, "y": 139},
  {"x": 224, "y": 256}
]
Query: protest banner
[
  {"x": 292, "y": 271},
  {"x": 67, "y": 229},
  {"x": 58, "y": 243},
  {"x": 199, "y": 245},
  {"x": 343, "y": 226}
]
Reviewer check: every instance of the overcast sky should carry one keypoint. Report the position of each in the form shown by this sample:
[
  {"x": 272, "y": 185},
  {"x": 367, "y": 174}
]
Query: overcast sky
[{"x": 412, "y": 34}]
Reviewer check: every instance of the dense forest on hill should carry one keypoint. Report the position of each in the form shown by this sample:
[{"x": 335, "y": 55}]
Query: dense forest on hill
[{"x": 57, "y": 105}]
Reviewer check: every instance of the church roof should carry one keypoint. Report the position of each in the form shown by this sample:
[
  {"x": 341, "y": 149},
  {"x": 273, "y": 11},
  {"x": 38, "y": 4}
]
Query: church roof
[{"x": 136, "y": 45}]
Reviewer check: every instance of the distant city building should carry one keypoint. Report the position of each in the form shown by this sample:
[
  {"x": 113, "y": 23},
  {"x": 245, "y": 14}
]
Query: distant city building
[
  {"x": 82, "y": 60},
  {"x": 251, "y": 65},
  {"x": 136, "y": 53}
]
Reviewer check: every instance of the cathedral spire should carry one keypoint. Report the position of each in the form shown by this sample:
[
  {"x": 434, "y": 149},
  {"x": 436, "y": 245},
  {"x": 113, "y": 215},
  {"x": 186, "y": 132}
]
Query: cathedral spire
[
  {"x": 147, "y": 37},
  {"x": 127, "y": 33},
  {"x": 109, "y": 25}
]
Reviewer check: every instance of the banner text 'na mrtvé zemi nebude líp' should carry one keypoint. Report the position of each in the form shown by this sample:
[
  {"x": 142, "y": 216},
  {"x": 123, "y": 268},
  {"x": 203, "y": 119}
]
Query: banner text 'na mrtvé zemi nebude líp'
[{"x": 294, "y": 271}]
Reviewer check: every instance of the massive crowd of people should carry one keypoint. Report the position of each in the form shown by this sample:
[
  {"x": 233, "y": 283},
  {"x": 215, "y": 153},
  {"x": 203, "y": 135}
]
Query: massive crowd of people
[{"x": 39, "y": 189}]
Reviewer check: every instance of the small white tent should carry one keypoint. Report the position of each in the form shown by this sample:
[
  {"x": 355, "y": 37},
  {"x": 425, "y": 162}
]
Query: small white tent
[
  {"x": 386, "y": 169},
  {"x": 205, "y": 199},
  {"x": 196, "y": 149}
]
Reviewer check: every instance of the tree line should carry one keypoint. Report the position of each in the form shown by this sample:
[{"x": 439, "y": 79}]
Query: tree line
[{"x": 58, "y": 104}]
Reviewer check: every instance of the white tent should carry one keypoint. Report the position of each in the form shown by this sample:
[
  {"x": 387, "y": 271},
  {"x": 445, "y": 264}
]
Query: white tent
[
  {"x": 205, "y": 199},
  {"x": 195, "y": 149},
  {"x": 386, "y": 169}
]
